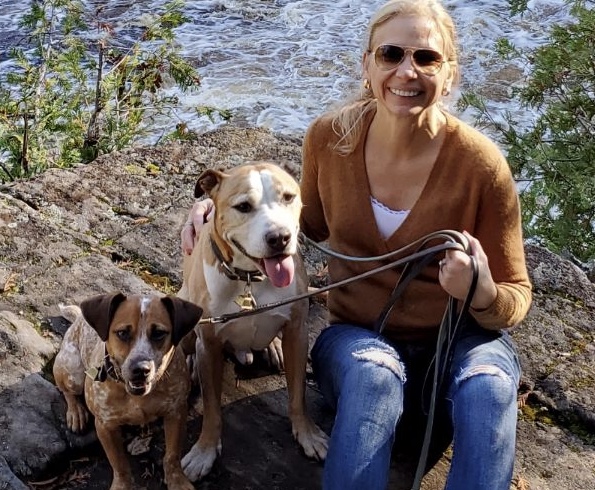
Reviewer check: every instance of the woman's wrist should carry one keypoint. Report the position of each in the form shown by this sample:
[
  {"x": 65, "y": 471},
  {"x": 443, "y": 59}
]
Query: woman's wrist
[{"x": 484, "y": 299}]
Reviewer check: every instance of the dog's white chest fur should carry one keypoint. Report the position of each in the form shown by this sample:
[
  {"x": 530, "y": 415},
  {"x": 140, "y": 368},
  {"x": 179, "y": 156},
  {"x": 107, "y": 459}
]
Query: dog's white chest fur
[{"x": 250, "y": 332}]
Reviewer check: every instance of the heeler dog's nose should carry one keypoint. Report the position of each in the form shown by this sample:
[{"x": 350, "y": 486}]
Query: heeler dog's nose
[{"x": 142, "y": 370}]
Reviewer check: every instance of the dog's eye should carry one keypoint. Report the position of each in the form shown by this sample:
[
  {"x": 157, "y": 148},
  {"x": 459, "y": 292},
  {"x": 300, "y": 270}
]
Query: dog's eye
[
  {"x": 288, "y": 198},
  {"x": 123, "y": 335},
  {"x": 158, "y": 335},
  {"x": 243, "y": 207}
]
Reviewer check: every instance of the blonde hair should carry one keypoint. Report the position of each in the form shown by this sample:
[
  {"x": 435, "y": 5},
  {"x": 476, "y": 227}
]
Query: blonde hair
[{"x": 347, "y": 119}]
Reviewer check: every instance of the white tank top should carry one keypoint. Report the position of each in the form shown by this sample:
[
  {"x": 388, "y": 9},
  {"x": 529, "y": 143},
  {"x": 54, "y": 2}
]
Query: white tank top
[{"x": 387, "y": 220}]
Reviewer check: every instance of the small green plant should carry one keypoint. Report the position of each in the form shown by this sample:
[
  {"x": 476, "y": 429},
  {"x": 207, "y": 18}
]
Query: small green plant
[
  {"x": 78, "y": 89},
  {"x": 554, "y": 156}
]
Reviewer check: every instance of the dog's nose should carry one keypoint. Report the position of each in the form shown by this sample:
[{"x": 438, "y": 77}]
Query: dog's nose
[
  {"x": 278, "y": 240},
  {"x": 142, "y": 370}
]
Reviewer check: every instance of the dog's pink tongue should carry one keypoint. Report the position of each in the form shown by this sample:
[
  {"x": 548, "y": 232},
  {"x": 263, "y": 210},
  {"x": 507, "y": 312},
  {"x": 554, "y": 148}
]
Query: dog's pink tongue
[{"x": 280, "y": 270}]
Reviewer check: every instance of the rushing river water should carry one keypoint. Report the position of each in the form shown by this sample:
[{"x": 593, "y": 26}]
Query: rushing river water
[{"x": 280, "y": 63}]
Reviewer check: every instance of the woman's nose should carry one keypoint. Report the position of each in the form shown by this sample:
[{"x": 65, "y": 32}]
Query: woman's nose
[{"x": 406, "y": 68}]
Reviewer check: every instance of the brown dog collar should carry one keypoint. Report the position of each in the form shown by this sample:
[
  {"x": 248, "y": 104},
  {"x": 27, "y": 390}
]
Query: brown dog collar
[
  {"x": 107, "y": 368},
  {"x": 234, "y": 273}
]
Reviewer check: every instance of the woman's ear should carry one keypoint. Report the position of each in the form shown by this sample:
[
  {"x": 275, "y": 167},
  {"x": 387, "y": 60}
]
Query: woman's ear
[
  {"x": 450, "y": 79},
  {"x": 365, "y": 64},
  {"x": 447, "y": 88}
]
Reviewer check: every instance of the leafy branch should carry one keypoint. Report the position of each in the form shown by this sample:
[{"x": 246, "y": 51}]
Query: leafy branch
[
  {"x": 76, "y": 90},
  {"x": 554, "y": 155}
]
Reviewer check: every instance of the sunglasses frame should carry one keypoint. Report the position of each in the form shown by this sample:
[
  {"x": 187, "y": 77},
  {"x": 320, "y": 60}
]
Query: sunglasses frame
[{"x": 408, "y": 50}]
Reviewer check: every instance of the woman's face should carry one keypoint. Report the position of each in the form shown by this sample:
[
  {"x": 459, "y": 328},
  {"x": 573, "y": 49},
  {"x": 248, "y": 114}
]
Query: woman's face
[{"x": 404, "y": 90}]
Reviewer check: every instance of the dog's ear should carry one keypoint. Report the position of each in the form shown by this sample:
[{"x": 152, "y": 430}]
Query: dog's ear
[
  {"x": 207, "y": 181},
  {"x": 184, "y": 316},
  {"x": 99, "y": 311}
]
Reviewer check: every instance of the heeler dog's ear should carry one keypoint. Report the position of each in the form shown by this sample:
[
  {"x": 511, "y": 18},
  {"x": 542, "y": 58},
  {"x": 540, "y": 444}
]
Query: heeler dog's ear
[
  {"x": 99, "y": 310},
  {"x": 184, "y": 316}
]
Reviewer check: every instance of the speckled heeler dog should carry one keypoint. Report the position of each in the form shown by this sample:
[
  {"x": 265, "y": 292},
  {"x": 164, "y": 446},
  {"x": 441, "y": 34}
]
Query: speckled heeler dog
[{"x": 122, "y": 353}]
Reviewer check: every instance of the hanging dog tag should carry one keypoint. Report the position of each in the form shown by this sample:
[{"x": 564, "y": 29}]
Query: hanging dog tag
[
  {"x": 92, "y": 373},
  {"x": 246, "y": 301},
  {"x": 97, "y": 374}
]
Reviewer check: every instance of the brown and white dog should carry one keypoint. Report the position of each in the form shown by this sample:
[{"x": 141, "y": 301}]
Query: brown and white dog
[
  {"x": 247, "y": 255},
  {"x": 122, "y": 353}
]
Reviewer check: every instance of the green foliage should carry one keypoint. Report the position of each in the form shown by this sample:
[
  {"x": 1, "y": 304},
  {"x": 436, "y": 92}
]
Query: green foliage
[
  {"x": 77, "y": 90},
  {"x": 211, "y": 112},
  {"x": 554, "y": 157},
  {"x": 517, "y": 6}
]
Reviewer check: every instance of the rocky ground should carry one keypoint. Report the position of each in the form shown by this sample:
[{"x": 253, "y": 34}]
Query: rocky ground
[{"x": 113, "y": 225}]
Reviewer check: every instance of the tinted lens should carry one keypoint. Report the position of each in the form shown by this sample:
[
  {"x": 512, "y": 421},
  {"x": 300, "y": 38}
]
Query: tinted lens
[
  {"x": 427, "y": 58},
  {"x": 388, "y": 56}
]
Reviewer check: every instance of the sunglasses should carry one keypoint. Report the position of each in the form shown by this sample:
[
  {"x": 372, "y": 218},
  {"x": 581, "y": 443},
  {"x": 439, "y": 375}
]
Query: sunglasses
[{"x": 389, "y": 56}]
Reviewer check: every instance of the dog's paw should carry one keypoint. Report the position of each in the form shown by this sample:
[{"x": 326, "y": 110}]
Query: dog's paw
[
  {"x": 274, "y": 354},
  {"x": 77, "y": 417},
  {"x": 178, "y": 481},
  {"x": 199, "y": 460},
  {"x": 123, "y": 483},
  {"x": 313, "y": 440}
]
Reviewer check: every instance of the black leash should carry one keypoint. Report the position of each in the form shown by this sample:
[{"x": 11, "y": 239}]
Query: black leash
[
  {"x": 454, "y": 241},
  {"x": 411, "y": 270},
  {"x": 448, "y": 333}
]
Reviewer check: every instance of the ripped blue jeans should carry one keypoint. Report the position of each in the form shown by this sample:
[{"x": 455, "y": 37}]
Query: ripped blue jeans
[{"x": 370, "y": 383}]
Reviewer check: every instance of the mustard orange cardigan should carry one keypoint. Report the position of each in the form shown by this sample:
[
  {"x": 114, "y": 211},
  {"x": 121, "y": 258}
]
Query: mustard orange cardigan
[{"x": 470, "y": 188}]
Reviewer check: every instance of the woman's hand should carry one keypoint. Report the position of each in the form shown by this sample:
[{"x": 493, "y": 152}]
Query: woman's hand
[
  {"x": 200, "y": 213},
  {"x": 456, "y": 274}
]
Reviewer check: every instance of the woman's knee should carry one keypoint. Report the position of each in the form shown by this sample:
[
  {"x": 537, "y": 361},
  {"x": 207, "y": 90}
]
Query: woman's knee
[
  {"x": 485, "y": 386},
  {"x": 376, "y": 382},
  {"x": 381, "y": 366},
  {"x": 340, "y": 347},
  {"x": 484, "y": 414}
]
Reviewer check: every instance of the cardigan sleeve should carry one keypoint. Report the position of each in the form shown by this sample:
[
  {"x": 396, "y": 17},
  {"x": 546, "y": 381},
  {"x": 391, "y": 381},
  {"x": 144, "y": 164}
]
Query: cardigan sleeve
[
  {"x": 312, "y": 220},
  {"x": 499, "y": 231}
]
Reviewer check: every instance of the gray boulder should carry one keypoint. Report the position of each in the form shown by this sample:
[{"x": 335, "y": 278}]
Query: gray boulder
[{"x": 114, "y": 225}]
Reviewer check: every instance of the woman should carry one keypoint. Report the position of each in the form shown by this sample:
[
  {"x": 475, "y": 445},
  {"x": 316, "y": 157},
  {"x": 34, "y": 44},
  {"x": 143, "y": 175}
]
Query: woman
[{"x": 379, "y": 173}]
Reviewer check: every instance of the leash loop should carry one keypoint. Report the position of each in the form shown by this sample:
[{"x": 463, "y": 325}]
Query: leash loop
[{"x": 450, "y": 326}]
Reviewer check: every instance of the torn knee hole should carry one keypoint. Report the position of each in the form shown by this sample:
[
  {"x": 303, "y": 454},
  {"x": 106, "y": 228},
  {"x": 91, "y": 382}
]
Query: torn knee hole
[
  {"x": 381, "y": 358},
  {"x": 484, "y": 369}
]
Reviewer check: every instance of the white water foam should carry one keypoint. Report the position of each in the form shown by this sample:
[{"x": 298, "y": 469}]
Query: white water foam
[{"x": 280, "y": 63}]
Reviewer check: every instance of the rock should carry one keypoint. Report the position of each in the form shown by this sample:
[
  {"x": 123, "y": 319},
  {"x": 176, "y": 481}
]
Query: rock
[
  {"x": 31, "y": 424},
  {"x": 114, "y": 225},
  {"x": 8, "y": 479}
]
